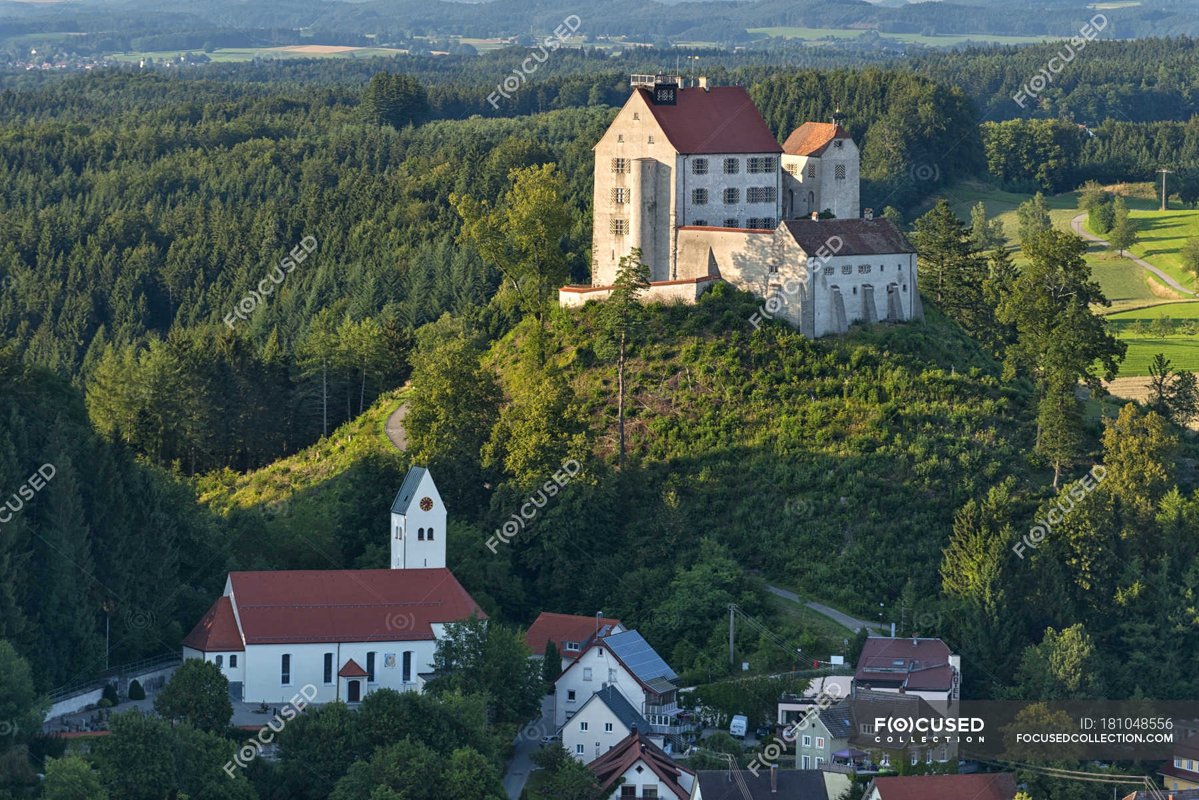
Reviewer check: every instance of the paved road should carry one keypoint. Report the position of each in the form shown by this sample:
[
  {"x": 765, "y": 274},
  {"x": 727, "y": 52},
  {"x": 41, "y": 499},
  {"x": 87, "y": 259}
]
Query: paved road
[
  {"x": 528, "y": 740},
  {"x": 395, "y": 427},
  {"x": 852, "y": 623},
  {"x": 1076, "y": 224}
]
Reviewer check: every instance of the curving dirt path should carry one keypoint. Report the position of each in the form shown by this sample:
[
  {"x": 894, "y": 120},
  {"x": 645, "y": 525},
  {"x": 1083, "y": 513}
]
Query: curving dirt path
[
  {"x": 395, "y": 427},
  {"x": 1076, "y": 224}
]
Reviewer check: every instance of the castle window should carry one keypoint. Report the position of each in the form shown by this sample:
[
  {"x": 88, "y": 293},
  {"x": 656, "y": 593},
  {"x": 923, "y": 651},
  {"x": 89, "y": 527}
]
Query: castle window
[
  {"x": 811, "y": 169},
  {"x": 732, "y": 196},
  {"x": 828, "y": 270},
  {"x": 651, "y": 140},
  {"x": 699, "y": 197},
  {"x": 620, "y": 138},
  {"x": 700, "y": 222},
  {"x": 760, "y": 165},
  {"x": 620, "y": 165},
  {"x": 636, "y": 115},
  {"x": 732, "y": 166},
  {"x": 791, "y": 168},
  {"x": 839, "y": 172},
  {"x": 837, "y": 143},
  {"x": 699, "y": 166},
  {"x": 761, "y": 223},
  {"x": 620, "y": 195},
  {"x": 846, "y": 269},
  {"x": 863, "y": 269},
  {"x": 618, "y": 227},
  {"x": 732, "y": 222},
  {"x": 761, "y": 194},
  {"x": 420, "y": 534}
]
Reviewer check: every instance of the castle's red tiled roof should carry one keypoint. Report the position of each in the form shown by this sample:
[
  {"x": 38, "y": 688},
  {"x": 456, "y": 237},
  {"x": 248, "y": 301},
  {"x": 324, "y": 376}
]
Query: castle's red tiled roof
[
  {"x": 348, "y": 605},
  {"x": 216, "y": 631},
  {"x": 564, "y": 627},
  {"x": 722, "y": 119},
  {"x": 811, "y": 138}
]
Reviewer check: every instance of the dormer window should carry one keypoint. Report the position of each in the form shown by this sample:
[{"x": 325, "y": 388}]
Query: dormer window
[{"x": 570, "y": 647}]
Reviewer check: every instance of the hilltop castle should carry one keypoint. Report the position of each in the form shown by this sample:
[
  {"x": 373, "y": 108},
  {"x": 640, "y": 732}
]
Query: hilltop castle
[{"x": 694, "y": 177}]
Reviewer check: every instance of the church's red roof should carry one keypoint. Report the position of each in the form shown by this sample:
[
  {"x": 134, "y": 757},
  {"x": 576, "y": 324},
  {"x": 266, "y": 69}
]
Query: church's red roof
[
  {"x": 722, "y": 119},
  {"x": 216, "y": 631},
  {"x": 348, "y": 605},
  {"x": 811, "y": 138},
  {"x": 352, "y": 670}
]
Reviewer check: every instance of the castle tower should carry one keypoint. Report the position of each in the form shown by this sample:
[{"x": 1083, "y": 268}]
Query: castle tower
[{"x": 418, "y": 523}]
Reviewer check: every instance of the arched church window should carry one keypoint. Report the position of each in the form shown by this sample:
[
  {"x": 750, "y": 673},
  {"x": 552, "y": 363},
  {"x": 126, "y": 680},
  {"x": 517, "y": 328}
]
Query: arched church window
[
  {"x": 430, "y": 534},
  {"x": 220, "y": 660},
  {"x": 420, "y": 534}
]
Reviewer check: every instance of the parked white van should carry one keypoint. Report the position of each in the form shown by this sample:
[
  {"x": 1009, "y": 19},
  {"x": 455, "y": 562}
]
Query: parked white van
[{"x": 738, "y": 726}]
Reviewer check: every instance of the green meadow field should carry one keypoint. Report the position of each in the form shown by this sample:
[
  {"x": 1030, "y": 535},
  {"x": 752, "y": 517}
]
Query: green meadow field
[{"x": 1135, "y": 293}]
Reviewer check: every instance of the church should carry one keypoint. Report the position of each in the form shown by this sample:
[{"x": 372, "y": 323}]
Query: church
[
  {"x": 345, "y": 633},
  {"x": 693, "y": 177}
]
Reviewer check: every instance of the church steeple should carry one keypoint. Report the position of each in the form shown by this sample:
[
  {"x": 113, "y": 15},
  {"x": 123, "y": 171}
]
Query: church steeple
[{"x": 418, "y": 523}]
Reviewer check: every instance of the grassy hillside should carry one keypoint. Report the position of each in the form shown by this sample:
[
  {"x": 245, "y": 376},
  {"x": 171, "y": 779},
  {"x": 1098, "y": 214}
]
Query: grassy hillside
[
  {"x": 323, "y": 508},
  {"x": 834, "y": 466}
]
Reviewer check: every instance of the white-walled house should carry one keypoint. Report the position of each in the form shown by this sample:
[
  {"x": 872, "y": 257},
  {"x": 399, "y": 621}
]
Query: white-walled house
[
  {"x": 637, "y": 768},
  {"x": 570, "y": 633},
  {"x": 344, "y": 632},
  {"x": 627, "y": 662},
  {"x": 604, "y": 720}
]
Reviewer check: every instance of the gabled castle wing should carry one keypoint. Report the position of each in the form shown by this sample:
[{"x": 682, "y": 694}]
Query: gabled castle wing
[{"x": 418, "y": 523}]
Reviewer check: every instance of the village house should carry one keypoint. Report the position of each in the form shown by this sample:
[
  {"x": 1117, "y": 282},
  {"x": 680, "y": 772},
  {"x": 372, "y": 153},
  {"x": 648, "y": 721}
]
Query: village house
[
  {"x": 979, "y": 786},
  {"x": 637, "y": 768},
  {"x": 627, "y": 662},
  {"x": 343, "y": 632},
  {"x": 769, "y": 784},
  {"x": 917, "y": 666},
  {"x": 693, "y": 179},
  {"x": 570, "y": 633},
  {"x": 1183, "y": 770},
  {"x": 604, "y": 719}
]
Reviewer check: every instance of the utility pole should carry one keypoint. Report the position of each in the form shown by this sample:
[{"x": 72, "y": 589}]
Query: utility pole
[
  {"x": 1164, "y": 173},
  {"x": 732, "y": 623}
]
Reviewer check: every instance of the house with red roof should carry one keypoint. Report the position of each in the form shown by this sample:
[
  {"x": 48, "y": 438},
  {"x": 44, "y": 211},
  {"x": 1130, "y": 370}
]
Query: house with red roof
[
  {"x": 636, "y": 767},
  {"x": 345, "y": 633},
  {"x": 919, "y": 666},
  {"x": 692, "y": 178},
  {"x": 570, "y": 633},
  {"x": 978, "y": 786}
]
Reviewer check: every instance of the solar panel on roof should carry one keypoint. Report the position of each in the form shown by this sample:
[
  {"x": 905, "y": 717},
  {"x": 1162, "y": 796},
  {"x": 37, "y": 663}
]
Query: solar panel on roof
[{"x": 639, "y": 657}]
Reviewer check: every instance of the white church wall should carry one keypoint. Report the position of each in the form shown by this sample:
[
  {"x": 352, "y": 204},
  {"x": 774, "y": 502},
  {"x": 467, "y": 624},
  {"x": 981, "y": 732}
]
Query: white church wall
[{"x": 263, "y": 683}]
